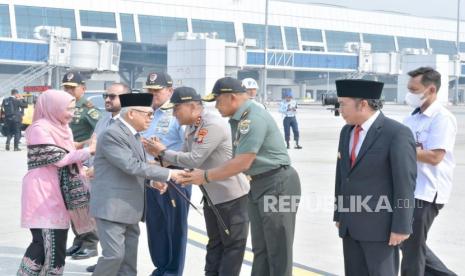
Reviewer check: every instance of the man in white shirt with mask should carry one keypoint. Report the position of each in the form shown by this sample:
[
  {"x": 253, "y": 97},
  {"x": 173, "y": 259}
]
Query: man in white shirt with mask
[{"x": 435, "y": 129}]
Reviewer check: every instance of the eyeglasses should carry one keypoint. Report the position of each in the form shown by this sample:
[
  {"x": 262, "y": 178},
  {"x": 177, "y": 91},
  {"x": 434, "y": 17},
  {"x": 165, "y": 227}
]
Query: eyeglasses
[
  {"x": 111, "y": 96},
  {"x": 149, "y": 114}
]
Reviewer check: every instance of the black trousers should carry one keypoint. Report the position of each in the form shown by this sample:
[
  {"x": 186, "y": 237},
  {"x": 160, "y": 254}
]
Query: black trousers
[
  {"x": 226, "y": 253},
  {"x": 288, "y": 123},
  {"x": 362, "y": 258},
  {"x": 87, "y": 240},
  {"x": 46, "y": 254},
  {"x": 418, "y": 259},
  {"x": 13, "y": 126}
]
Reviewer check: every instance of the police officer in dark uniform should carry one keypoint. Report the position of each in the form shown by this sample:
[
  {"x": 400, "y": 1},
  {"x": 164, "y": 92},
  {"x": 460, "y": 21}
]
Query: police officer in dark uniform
[
  {"x": 12, "y": 111},
  {"x": 83, "y": 124},
  {"x": 260, "y": 152}
]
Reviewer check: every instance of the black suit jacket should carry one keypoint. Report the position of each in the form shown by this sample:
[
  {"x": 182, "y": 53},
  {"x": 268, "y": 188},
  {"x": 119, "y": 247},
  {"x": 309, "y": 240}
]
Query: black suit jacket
[{"x": 383, "y": 176}]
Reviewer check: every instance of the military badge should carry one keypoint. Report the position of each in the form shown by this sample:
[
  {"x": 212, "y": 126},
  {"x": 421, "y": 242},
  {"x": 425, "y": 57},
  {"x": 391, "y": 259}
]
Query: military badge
[
  {"x": 244, "y": 126},
  {"x": 201, "y": 135},
  {"x": 153, "y": 77},
  {"x": 94, "y": 114},
  {"x": 69, "y": 76}
]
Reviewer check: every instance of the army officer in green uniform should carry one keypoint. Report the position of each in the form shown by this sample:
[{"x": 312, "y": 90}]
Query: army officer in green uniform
[
  {"x": 259, "y": 151},
  {"x": 83, "y": 124},
  {"x": 86, "y": 115}
]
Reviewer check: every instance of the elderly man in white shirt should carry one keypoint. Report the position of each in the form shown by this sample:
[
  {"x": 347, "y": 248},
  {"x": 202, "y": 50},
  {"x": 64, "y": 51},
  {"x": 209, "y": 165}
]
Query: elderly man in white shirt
[{"x": 435, "y": 129}]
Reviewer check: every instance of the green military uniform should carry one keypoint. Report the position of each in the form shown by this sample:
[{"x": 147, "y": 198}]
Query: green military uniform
[
  {"x": 272, "y": 177},
  {"x": 84, "y": 120},
  {"x": 273, "y": 180}
]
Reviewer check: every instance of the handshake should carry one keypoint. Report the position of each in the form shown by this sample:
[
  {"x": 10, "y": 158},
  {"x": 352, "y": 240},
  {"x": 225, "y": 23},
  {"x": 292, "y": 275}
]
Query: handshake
[
  {"x": 175, "y": 176},
  {"x": 182, "y": 177},
  {"x": 186, "y": 177}
]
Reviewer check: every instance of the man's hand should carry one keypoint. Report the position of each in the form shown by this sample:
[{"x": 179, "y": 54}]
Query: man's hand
[
  {"x": 196, "y": 177},
  {"x": 396, "y": 238},
  {"x": 177, "y": 175},
  {"x": 153, "y": 146},
  {"x": 89, "y": 172},
  {"x": 79, "y": 145},
  {"x": 337, "y": 224},
  {"x": 160, "y": 186}
]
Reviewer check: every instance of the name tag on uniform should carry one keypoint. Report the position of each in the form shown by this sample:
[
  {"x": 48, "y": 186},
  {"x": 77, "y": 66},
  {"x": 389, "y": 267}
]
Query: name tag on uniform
[{"x": 163, "y": 125}]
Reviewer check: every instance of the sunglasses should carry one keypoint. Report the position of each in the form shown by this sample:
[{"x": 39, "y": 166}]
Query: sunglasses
[{"x": 111, "y": 96}]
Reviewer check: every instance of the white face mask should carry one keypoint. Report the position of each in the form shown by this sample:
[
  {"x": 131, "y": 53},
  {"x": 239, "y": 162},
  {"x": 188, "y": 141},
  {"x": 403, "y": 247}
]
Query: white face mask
[{"x": 415, "y": 100}]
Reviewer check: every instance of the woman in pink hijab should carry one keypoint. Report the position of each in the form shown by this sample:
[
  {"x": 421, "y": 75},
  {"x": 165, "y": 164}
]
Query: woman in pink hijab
[{"x": 54, "y": 191}]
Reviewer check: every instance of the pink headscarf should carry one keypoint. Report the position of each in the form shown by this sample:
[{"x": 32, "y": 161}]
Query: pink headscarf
[{"x": 49, "y": 113}]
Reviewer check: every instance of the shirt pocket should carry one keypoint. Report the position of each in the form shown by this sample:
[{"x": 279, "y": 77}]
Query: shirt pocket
[{"x": 421, "y": 137}]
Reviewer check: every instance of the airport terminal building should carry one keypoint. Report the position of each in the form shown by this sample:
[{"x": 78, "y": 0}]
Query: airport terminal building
[{"x": 309, "y": 45}]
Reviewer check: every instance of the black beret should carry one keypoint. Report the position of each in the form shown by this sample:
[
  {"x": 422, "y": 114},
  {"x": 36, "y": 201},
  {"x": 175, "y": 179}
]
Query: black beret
[
  {"x": 136, "y": 99},
  {"x": 363, "y": 89}
]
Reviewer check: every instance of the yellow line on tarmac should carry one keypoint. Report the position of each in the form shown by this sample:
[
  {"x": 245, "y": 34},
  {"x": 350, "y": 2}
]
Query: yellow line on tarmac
[{"x": 248, "y": 256}]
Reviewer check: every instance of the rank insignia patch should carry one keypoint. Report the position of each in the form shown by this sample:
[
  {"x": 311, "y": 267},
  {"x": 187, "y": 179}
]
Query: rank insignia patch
[
  {"x": 244, "y": 126},
  {"x": 201, "y": 135}
]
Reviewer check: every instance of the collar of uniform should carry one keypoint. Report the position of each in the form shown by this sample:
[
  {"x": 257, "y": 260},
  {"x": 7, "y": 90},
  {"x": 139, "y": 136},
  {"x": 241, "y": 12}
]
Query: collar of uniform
[
  {"x": 194, "y": 127},
  {"x": 432, "y": 109},
  {"x": 202, "y": 116},
  {"x": 367, "y": 124},
  {"x": 237, "y": 116},
  {"x": 81, "y": 102},
  {"x": 131, "y": 129}
]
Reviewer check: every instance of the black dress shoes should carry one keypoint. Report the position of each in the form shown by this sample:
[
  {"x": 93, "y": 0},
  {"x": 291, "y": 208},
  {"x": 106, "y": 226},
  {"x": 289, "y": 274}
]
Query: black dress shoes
[
  {"x": 91, "y": 268},
  {"x": 84, "y": 254},
  {"x": 73, "y": 249}
]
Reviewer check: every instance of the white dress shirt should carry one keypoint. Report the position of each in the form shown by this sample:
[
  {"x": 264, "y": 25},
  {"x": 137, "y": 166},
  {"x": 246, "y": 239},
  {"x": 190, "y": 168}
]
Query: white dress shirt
[
  {"x": 436, "y": 128},
  {"x": 363, "y": 133}
]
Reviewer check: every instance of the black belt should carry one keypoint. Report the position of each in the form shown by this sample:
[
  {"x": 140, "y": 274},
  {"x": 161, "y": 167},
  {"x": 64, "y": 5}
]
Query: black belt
[{"x": 268, "y": 173}]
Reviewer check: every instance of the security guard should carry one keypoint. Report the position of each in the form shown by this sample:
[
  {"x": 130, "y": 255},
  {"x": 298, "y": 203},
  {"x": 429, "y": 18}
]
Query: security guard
[
  {"x": 207, "y": 144},
  {"x": 12, "y": 113},
  {"x": 288, "y": 107},
  {"x": 83, "y": 124},
  {"x": 258, "y": 151},
  {"x": 166, "y": 220},
  {"x": 86, "y": 115}
]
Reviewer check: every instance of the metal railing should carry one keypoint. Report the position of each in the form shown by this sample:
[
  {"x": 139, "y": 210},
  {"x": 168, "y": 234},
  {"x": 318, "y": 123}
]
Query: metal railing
[{"x": 23, "y": 78}]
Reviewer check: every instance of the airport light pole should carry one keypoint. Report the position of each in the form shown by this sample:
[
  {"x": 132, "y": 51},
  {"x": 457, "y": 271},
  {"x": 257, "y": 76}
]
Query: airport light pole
[
  {"x": 458, "y": 66},
  {"x": 265, "y": 65}
]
